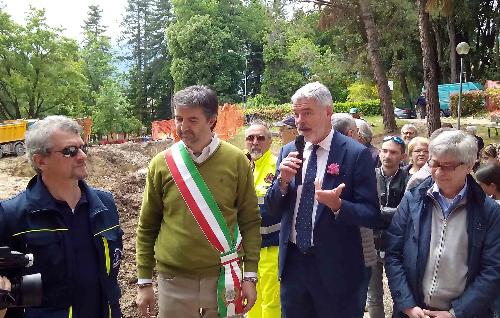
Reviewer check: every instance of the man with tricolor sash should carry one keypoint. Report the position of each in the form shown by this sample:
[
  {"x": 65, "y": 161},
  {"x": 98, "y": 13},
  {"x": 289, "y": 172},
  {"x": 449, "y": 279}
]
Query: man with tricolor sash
[
  {"x": 258, "y": 140},
  {"x": 199, "y": 222}
]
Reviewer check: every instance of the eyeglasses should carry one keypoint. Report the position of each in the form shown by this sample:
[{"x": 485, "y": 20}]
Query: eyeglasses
[
  {"x": 72, "y": 151},
  {"x": 408, "y": 132},
  {"x": 396, "y": 139},
  {"x": 421, "y": 151},
  {"x": 448, "y": 168},
  {"x": 260, "y": 138}
]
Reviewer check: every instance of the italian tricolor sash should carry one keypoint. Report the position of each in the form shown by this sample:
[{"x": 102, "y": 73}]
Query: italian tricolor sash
[{"x": 207, "y": 214}]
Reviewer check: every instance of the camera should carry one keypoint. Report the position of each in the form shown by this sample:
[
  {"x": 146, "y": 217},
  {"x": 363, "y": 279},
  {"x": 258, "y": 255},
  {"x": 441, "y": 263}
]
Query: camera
[{"x": 26, "y": 291}]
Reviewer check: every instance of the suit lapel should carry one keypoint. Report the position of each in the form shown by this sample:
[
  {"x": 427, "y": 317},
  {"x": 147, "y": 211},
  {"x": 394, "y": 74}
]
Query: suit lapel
[{"x": 336, "y": 155}]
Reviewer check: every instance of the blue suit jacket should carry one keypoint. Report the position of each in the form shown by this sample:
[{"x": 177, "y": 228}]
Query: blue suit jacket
[{"x": 337, "y": 241}]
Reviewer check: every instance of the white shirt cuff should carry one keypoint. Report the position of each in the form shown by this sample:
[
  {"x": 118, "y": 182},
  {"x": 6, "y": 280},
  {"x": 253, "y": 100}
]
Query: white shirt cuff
[
  {"x": 250, "y": 274},
  {"x": 144, "y": 281}
]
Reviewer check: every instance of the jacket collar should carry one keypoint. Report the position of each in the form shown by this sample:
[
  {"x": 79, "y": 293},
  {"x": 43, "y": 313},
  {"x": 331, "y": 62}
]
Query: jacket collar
[
  {"x": 39, "y": 198},
  {"x": 336, "y": 155}
]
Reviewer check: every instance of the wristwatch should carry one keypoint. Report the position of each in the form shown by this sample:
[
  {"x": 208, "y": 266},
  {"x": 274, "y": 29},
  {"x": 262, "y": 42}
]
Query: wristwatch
[
  {"x": 144, "y": 285},
  {"x": 250, "y": 279}
]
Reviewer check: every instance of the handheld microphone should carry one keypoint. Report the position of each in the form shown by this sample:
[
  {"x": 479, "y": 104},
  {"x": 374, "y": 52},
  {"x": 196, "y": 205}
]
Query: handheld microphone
[{"x": 300, "y": 144}]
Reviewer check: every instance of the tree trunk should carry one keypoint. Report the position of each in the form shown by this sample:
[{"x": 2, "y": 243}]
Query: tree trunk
[
  {"x": 378, "y": 68},
  {"x": 430, "y": 65},
  {"x": 404, "y": 86},
  {"x": 453, "y": 53}
]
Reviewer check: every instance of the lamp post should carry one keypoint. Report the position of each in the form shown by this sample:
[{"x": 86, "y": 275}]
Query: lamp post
[
  {"x": 245, "y": 74},
  {"x": 462, "y": 50}
]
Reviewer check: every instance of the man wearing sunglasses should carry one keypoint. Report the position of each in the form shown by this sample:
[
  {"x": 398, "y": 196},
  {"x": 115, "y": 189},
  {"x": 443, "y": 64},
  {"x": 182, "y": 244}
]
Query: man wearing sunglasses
[
  {"x": 443, "y": 252},
  {"x": 71, "y": 229},
  {"x": 258, "y": 142}
]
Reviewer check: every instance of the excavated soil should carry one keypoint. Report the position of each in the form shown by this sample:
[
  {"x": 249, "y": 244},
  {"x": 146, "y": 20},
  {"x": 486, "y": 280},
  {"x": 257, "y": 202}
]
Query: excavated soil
[{"x": 120, "y": 169}]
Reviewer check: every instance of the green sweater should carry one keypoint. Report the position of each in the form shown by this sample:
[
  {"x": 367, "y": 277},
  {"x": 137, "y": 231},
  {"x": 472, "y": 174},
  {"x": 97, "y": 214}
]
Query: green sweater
[{"x": 167, "y": 231}]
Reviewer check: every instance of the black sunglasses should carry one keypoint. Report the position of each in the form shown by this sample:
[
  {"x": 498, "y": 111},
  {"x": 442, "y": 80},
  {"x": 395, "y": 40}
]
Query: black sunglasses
[
  {"x": 260, "y": 138},
  {"x": 72, "y": 151}
]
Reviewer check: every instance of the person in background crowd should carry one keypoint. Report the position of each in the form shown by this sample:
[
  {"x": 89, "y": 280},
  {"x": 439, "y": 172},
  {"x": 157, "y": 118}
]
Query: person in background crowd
[
  {"x": 443, "y": 247},
  {"x": 258, "y": 142},
  {"x": 489, "y": 155},
  {"x": 408, "y": 132},
  {"x": 418, "y": 151},
  {"x": 472, "y": 130},
  {"x": 425, "y": 171},
  {"x": 488, "y": 178},
  {"x": 4, "y": 285},
  {"x": 287, "y": 129},
  {"x": 498, "y": 153},
  {"x": 365, "y": 134},
  {"x": 199, "y": 204},
  {"x": 345, "y": 124},
  {"x": 421, "y": 105},
  {"x": 321, "y": 263},
  {"x": 391, "y": 184},
  {"x": 71, "y": 229},
  {"x": 354, "y": 113}
]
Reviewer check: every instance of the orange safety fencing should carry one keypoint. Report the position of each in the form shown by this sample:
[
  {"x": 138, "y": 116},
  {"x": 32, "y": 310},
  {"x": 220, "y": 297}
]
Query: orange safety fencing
[{"x": 229, "y": 119}]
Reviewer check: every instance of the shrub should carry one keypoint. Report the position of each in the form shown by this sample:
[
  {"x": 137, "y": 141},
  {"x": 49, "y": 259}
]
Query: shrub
[
  {"x": 367, "y": 108},
  {"x": 472, "y": 103},
  {"x": 275, "y": 112},
  {"x": 493, "y": 97}
]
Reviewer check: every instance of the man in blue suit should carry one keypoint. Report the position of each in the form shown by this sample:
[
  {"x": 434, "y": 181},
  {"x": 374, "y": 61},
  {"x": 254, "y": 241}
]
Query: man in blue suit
[{"x": 324, "y": 191}]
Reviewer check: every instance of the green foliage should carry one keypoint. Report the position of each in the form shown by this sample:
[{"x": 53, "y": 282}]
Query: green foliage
[
  {"x": 40, "y": 71},
  {"x": 271, "y": 112},
  {"x": 112, "y": 112},
  {"x": 493, "y": 94},
  {"x": 361, "y": 91},
  {"x": 275, "y": 112},
  {"x": 369, "y": 107},
  {"x": 472, "y": 103}
]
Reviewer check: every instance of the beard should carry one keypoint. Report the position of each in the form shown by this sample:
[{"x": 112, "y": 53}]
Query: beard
[{"x": 255, "y": 154}]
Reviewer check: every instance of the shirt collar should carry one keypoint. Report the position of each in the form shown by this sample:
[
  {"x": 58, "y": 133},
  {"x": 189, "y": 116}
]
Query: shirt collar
[
  {"x": 206, "y": 152},
  {"x": 325, "y": 143},
  {"x": 435, "y": 192}
]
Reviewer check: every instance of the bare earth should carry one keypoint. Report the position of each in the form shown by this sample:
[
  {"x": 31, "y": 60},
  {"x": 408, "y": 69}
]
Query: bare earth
[{"x": 121, "y": 169}]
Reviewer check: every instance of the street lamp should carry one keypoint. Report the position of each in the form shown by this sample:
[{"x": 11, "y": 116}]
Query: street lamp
[
  {"x": 245, "y": 73},
  {"x": 462, "y": 50}
]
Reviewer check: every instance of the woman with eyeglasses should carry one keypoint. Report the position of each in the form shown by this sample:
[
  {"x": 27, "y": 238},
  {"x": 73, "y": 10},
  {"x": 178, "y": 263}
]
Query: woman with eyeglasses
[{"x": 418, "y": 152}]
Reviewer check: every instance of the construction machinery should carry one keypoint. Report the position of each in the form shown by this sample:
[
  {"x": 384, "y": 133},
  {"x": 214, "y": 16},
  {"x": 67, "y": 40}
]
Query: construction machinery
[{"x": 12, "y": 137}]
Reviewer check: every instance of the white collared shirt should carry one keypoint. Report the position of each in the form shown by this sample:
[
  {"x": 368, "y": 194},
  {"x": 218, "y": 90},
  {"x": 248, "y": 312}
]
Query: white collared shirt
[
  {"x": 322, "y": 154},
  {"x": 206, "y": 152}
]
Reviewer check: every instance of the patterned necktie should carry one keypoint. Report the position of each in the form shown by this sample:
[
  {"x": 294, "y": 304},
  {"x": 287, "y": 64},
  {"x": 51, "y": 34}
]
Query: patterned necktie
[{"x": 303, "y": 223}]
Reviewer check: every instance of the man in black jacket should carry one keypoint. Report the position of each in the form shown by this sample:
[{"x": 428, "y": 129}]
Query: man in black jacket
[
  {"x": 71, "y": 229},
  {"x": 391, "y": 184}
]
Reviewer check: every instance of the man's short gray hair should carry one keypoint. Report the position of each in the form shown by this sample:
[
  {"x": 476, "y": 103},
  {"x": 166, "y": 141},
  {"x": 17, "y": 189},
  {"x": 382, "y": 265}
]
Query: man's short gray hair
[
  {"x": 316, "y": 91},
  {"x": 39, "y": 134},
  {"x": 408, "y": 126},
  {"x": 365, "y": 131},
  {"x": 343, "y": 122},
  {"x": 456, "y": 143},
  {"x": 262, "y": 123}
]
